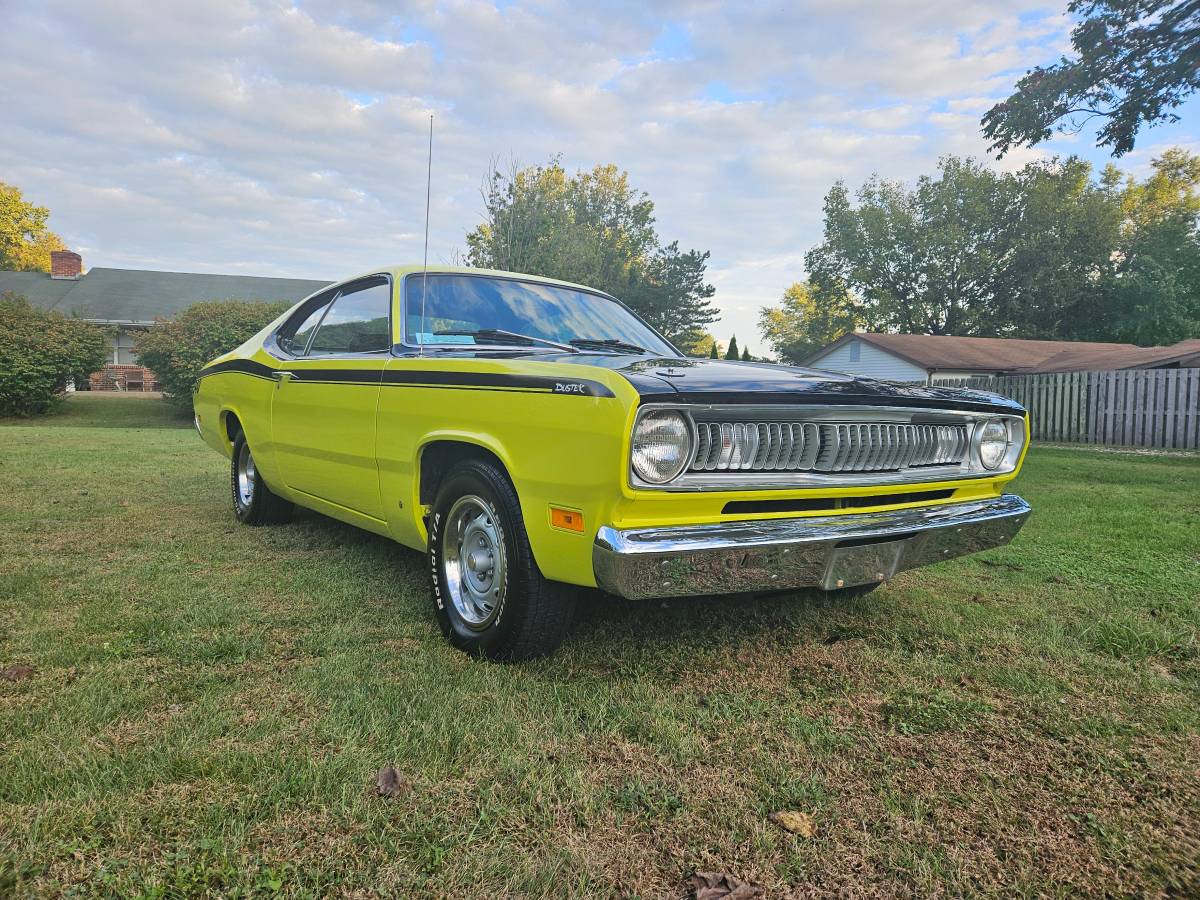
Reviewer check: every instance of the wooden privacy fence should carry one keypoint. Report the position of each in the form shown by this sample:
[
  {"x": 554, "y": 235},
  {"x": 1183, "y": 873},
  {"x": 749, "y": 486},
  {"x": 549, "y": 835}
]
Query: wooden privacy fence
[{"x": 1131, "y": 408}]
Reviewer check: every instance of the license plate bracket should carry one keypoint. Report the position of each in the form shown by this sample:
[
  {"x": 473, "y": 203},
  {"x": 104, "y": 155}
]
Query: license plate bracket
[{"x": 862, "y": 564}]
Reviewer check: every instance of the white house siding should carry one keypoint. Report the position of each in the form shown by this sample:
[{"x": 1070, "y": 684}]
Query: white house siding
[{"x": 872, "y": 362}]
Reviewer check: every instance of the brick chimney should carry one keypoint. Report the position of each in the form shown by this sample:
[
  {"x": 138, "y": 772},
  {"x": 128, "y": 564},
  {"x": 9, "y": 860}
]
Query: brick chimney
[{"x": 65, "y": 264}]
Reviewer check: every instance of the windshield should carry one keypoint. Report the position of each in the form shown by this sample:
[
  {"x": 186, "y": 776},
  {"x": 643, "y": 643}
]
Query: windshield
[{"x": 478, "y": 309}]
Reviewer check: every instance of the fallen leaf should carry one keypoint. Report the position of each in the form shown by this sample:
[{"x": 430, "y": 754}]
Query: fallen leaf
[
  {"x": 796, "y": 822},
  {"x": 16, "y": 672},
  {"x": 720, "y": 886},
  {"x": 390, "y": 783}
]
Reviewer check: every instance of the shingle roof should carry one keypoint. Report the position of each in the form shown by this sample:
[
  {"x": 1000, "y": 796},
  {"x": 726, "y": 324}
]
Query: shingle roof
[
  {"x": 944, "y": 353},
  {"x": 140, "y": 295}
]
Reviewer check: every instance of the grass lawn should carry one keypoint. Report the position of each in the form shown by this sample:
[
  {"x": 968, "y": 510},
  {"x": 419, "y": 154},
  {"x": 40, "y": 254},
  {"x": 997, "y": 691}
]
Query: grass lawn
[{"x": 209, "y": 704}]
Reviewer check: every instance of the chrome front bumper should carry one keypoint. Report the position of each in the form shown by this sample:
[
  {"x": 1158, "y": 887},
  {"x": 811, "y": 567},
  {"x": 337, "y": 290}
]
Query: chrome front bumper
[{"x": 828, "y": 552}]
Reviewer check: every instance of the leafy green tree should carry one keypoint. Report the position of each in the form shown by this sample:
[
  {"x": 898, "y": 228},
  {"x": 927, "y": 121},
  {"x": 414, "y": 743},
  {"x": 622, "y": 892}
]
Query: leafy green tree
[
  {"x": 1153, "y": 295},
  {"x": 592, "y": 228},
  {"x": 1135, "y": 62},
  {"x": 40, "y": 352},
  {"x": 731, "y": 352},
  {"x": 177, "y": 350},
  {"x": 746, "y": 357},
  {"x": 712, "y": 353},
  {"x": 1048, "y": 252},
  {"x": 25, "y": 242},
  {"x": 920, "y": 260},
  {"x": 803, "y": 323}
]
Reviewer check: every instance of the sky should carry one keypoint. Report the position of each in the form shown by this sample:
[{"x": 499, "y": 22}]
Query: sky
[{"x": 279, "y": 138}]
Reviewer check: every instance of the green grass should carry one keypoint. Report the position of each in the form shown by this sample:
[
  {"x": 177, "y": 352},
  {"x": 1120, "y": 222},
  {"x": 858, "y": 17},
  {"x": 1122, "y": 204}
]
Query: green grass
[
  {"x": 210, "y": 704},
  {"x": 109, "y": 409}
]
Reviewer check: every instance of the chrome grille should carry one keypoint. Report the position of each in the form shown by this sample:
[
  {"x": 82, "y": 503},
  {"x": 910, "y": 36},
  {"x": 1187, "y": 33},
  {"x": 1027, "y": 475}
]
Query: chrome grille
[{"x": 827, "y": 447}]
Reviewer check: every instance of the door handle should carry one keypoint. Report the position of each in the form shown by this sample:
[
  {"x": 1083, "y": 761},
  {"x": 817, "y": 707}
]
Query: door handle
[{"x": 283, "y": 377}]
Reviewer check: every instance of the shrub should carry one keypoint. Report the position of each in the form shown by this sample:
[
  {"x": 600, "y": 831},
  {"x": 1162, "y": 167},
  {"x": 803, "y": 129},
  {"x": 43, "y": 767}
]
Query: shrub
[
  {"x": 40, "y": 352},
  {"x": 176, "y": 351}
]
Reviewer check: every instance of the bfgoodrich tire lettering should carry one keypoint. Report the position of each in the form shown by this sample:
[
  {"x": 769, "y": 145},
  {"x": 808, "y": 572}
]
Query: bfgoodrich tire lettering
[
  {"x": 253, "y": 502},
  {"x": 489, "y": 596}
]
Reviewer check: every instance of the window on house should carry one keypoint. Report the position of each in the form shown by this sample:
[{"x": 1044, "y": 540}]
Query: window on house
[
  {"x": 358, "y": 322},
  {"x": 855, "y": 351}
]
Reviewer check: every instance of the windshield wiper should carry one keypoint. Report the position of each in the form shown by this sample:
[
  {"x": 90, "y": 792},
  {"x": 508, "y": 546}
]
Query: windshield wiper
[
  {"x": 500, "y": 336},
  {"x": 606, "y": 344}
]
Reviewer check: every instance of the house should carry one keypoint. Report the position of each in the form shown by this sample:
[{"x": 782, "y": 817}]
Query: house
[
  {"x": 132, "y": 300},
  {"x": 933, "y": 358}
]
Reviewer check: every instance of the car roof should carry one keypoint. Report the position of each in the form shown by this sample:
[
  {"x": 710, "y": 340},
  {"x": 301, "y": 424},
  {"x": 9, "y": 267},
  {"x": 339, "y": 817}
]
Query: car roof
[{"x": 399, "y": 271}]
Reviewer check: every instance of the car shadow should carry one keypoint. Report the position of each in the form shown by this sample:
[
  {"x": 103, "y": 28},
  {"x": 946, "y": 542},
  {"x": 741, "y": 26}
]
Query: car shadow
[{"x": 611, "y": 632}]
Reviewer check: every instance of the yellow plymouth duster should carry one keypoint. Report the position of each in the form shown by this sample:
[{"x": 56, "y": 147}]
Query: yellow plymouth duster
[{"x": 533, "y": 436}]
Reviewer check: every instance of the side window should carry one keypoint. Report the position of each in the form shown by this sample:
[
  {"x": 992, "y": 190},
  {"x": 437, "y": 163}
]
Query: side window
[
  {"x": 294, "y": 335},
  {"x": 359, "y": 320}
]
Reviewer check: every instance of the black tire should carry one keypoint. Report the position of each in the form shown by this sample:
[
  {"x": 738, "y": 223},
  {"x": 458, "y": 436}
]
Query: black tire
[
  {"x": 254, "y": 503},
  {"x": 529, "y": 616}
]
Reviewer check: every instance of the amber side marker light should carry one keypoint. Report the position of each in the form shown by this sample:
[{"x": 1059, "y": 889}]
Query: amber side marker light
[{"x": 567, "y": 519}]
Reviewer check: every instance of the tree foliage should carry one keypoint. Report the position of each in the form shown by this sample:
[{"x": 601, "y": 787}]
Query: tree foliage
[
  {"x": 1048, "y": 252},
  {"x": 40, "y": 352},
  {"x": 732, "y": 352},
  {"x": 25, "y": 242},
  {"x": 177, "y": 350},
  {"x": 593, "y": 228},
  {"x": 805, "y": 321},
  {"x": 1135, "y": 62}
]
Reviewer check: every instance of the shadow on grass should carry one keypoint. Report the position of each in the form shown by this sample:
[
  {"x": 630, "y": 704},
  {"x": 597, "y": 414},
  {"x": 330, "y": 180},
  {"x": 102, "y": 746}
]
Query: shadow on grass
[{"x": 611, "y": 631}]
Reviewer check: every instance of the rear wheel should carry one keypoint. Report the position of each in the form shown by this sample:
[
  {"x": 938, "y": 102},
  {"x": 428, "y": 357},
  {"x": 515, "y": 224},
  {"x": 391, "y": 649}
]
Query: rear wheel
[
  {"x": 489, "y": 595},
  {"x": 253, "y": 502}
]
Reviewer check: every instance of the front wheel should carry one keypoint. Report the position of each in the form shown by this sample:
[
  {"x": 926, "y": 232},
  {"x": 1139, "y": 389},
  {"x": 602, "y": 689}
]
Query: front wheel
[
  {"x": 489, "y": 595},
  {"x": 253, "y": 502}
]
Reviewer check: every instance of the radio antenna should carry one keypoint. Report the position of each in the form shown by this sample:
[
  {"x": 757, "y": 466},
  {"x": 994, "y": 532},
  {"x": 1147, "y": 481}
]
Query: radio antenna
[{"x": 425, "y": 264}]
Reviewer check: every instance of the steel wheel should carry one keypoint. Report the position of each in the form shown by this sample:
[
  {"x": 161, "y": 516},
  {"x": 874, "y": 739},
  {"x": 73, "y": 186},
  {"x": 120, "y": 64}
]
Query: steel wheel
[
  {"x": 246, "y": 476},
  {"x": 473, "y": 561}
]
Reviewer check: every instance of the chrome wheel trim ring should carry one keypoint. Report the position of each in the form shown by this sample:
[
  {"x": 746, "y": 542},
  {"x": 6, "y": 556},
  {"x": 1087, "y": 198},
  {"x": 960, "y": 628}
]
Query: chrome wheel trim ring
[
  {"x": 247, "y": 475},
  {"x": 473, "y": 561}
]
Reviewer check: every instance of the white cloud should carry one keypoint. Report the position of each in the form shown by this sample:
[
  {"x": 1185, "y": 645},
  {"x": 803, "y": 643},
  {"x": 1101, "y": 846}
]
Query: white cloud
[{"x": 279, "y": 138}]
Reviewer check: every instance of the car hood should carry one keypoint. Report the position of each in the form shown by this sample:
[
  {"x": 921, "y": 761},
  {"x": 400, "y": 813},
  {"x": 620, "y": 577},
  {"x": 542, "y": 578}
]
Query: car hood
[{"x": 719, "y": 381}]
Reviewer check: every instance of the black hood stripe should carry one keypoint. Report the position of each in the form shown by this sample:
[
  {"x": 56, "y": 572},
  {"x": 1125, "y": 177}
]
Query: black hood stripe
[{"x": 491, "y": 381}]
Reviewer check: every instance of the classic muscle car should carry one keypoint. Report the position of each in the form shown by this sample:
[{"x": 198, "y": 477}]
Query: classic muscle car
[{"x": 533, "y": 436}]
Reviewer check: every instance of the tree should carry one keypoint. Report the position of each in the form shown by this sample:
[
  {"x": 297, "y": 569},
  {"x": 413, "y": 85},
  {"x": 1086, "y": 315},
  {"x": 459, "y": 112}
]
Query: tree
[
  {"x": 1135, "y": 62},
  {"x": 592, "y": 228},
  {"x": 177, "y": 350},
  {"x": 1049, "y": 252},
  {"x": 732, "y": 351},
  {"x": 920, "y": 260},
  {"x": 40, "y": 352},
  {"x": 25, "y": 242},
  {"x": 802, "y": 323},
  {"x": 746, "y": 357},
  {"x": 713, "y": 354}
]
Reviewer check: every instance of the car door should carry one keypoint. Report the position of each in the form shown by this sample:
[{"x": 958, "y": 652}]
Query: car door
[{"x": 326, "y": 394}]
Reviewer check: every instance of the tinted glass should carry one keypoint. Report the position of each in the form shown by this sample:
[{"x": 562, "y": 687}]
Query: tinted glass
[
  {"x": 293, "y": 337},
  {"x": 477, "y": 303},
  {"x": 358, "y": 322}
]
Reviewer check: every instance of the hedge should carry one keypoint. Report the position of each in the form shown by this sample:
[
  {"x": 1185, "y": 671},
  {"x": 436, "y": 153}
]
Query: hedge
[
  {"x": 176, "y": 351},
  {"x": 40, "y": 352}
]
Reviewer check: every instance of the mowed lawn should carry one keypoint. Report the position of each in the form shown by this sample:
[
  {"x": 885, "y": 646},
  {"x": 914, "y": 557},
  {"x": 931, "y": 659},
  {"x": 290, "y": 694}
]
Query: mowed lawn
[{"x": 209, "y": 704}]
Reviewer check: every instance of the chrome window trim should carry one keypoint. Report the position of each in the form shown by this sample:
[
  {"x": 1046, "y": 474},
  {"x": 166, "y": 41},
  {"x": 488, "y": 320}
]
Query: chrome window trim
[{"x": 689, "y": 480}]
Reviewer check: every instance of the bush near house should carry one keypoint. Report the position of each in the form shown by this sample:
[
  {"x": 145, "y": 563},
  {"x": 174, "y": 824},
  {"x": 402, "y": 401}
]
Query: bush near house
[
  {"x": 177, "y": 350},
  {"x": 40, "y": 352}
]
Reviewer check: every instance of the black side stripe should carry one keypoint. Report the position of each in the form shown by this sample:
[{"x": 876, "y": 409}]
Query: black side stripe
[{"x": 421, "y": 379}]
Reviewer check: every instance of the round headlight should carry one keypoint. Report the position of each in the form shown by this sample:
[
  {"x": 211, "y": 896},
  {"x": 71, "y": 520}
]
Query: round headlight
[
  {"x": 662, "y": 442},
  {"x": 993, "y": 443}
]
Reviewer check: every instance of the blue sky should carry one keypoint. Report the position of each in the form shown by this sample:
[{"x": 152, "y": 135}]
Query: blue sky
[{"x": 280, "y": 138}]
